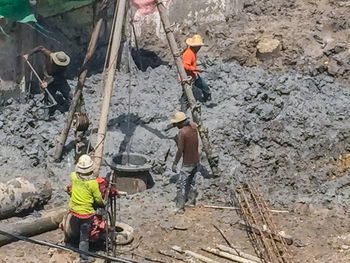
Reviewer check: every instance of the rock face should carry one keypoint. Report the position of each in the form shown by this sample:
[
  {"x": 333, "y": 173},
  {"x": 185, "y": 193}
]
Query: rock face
[
  {"x": 20, "y": 195},
  {"x": 268, "y": 48}
]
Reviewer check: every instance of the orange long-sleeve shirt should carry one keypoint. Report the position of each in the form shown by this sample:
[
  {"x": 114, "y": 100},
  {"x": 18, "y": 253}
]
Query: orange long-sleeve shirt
[{"x": 189, "y": 60}]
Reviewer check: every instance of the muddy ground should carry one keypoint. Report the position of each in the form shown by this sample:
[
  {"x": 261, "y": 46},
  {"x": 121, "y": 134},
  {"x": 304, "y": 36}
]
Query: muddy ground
[{"x": 281, "y": 123}]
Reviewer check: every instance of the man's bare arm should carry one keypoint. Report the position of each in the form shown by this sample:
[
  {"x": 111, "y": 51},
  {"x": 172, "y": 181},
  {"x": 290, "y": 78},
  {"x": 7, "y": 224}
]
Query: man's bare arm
[{"x": 40, "y": 49}]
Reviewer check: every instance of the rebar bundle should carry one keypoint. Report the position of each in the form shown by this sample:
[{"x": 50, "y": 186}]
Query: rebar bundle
[{"x": 267, "y": 240}]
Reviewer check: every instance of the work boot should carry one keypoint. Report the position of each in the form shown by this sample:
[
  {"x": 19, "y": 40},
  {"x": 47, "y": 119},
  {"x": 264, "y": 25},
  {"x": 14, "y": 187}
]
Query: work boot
[
  {"x": 180, "y": 203},
  {"x": 192, "y": 196},
  {"x": 207, "y": 97}
]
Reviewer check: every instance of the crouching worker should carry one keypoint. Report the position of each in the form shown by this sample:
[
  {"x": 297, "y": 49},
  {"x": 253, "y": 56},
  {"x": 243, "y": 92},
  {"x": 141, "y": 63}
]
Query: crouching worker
[{"x": 84, "y": 194}]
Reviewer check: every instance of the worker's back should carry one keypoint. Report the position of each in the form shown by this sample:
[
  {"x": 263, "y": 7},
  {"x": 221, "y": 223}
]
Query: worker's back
[
  {"x": 84, "y": 194},
  {"x": 188, "y": 135}
]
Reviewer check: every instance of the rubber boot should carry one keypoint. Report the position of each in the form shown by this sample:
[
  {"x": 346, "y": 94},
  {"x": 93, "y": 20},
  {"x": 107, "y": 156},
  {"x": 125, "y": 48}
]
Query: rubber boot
[
  {"x": 192, "y": 196},
  {"x": 180, "y": 203}
]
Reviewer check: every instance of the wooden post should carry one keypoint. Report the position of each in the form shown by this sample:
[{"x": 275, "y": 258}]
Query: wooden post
[
  {"x": 78, "y": 90},
  {"x": 187, "y": 87},
  {"x": 32, "y": 226},
  {"x": 109, "y": 83}
]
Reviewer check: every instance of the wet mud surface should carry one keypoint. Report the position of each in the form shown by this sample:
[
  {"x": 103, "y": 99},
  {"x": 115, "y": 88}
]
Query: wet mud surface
[{"x": 285, "y": 131}]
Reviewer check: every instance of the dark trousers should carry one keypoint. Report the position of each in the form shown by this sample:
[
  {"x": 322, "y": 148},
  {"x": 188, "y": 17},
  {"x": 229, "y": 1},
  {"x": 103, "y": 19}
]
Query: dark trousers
[
  {"x": 60, "y": 85},
  {"x": 201, "y": 92},
  {"x": 80, "y": 234}
]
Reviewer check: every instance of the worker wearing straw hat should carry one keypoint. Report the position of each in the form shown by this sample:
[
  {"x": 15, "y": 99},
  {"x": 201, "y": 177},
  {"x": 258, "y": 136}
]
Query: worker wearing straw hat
[
  {"x": 84, "y": 193},
  {"x": 187, "y": 148},
  {"x": 189, "y": 61},
  {"x": 54, "y": 77}
]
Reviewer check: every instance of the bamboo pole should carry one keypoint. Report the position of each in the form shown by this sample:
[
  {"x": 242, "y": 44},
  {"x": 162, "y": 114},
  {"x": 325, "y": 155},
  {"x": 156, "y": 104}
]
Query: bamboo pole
[
  {"x": 194, "y": 255},
  {"x": 32, "y": 226},
  {"x": 221, "y": 207},
  {"x": 186, "y": 85},
  {"x": 113, "y": 57},
  {"x": 78, "y": 90},
  {"x": 228, "y": 256},
  {"x": 238, "y": 252}
]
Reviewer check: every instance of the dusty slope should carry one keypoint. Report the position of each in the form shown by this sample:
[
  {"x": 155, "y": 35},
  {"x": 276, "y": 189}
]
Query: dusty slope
[{"x": 311, "y": 32}]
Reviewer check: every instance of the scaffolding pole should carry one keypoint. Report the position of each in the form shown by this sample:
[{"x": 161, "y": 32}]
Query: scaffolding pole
[
  {"x": 109, "y": 83},
  {"x": 78, "y": 90},
  {"x": 187, "y": 87}
]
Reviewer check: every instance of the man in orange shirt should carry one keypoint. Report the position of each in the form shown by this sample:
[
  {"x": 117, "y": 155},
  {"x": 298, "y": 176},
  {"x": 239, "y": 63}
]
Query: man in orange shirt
[{"x": 189, "y": 61}]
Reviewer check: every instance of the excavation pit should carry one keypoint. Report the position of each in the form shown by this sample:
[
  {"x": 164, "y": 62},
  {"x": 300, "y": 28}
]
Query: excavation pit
[{"x": 133, "y": 172}]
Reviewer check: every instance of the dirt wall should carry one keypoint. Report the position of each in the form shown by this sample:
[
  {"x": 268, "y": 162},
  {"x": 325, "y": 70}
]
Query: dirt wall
[
  {"x": 11, "y": 69},
  {"x": 69, "y": 32}
]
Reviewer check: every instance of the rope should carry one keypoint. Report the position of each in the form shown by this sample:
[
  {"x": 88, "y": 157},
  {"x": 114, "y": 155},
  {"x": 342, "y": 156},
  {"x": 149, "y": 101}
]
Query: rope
[
  {"x": 129, "y": 102},
  {"x": 49, "y": 244},
  {"x": 42, "y": 33},
  {"x": 110, "y": 38},
  {"x": 3, "y": 32}
]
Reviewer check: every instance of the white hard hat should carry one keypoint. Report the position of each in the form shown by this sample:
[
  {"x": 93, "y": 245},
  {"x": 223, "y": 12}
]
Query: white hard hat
[{"x": 85, "y": 165}]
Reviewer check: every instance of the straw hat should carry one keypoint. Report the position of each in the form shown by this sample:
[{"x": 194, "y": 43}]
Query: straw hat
[
  {"x": 195, "y": 41},
  {"x": 60, "y": 58},
  {"x": 85, "y": 165},
  {"x": 178, "y": 117}
]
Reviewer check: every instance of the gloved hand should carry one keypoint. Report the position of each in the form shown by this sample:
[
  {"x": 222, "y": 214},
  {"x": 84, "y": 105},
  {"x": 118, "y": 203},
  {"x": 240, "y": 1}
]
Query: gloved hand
[{"x": 174, "y": 167}]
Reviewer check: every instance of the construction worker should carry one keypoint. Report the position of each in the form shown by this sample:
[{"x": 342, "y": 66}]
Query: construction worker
[
  {"x": 187, "y": 148},
  {"x": 84, "y": 193},
  {"x": 54, "y": 77},
  {"x": 189, "y": 61}
]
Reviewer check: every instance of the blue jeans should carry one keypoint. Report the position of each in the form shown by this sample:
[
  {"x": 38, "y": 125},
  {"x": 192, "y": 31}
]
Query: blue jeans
[
  {"x": 186, "y": 189},
  {"x": 201, "y": 92},
  {"x": 203, "y": 86}
]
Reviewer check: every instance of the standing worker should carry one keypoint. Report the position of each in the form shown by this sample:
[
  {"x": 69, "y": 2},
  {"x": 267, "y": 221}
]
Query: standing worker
[
  {"x": 54, "y": 76},
  {"x": 189, "y": 61},
  {"x": 84, "y": 193},
  {"x": 187, "y": 148}
]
